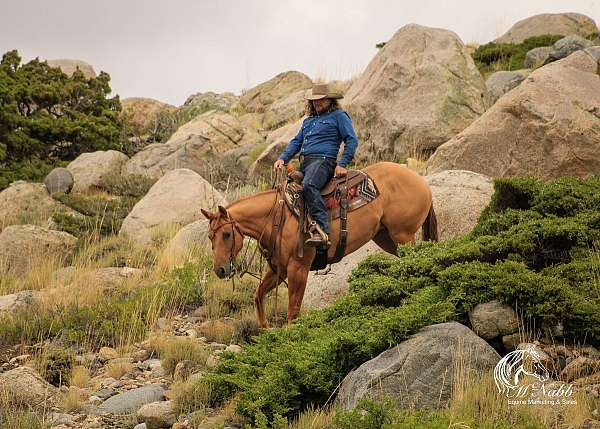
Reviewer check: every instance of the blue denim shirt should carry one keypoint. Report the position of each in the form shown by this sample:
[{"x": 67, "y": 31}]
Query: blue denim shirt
[{"x": 323, "y": 135}]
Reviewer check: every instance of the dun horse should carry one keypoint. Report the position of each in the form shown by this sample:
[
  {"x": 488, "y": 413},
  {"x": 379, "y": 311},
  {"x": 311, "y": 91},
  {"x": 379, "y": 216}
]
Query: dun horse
[{"x": 394, "y": 217}]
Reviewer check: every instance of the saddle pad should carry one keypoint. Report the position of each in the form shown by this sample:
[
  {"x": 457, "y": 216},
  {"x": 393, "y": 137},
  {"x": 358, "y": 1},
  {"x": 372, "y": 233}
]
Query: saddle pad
[{"x": 358, "y": 195}]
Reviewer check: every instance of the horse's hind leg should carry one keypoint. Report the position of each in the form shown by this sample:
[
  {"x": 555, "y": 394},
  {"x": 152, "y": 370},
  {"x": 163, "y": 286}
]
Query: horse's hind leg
[
  {"x": 268, "y": 282},
  {"x": 383, "y": 240},
  {"x": 297, "y": 277}
]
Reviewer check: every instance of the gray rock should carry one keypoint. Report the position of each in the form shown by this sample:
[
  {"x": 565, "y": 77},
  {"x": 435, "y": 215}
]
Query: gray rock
[
  {"x": 566, "y": 46},
  {"x": 501, "y": 82},
  {"x": 157, "y": 415},
  {"x": 537, "y": 56},
  {"x": 549, "y": 23},
  {"x": 27, "y": 386},
  {"x": 59, "y": 180},
  {"x": 105, "y": 393},
  {"x": 17, "y": 301},
  {"x": 140, "y": 426},
  {"x": 491, "y": 319},
  {"x": 418, "y": 373},
  {"x": 132, "y": 400}
]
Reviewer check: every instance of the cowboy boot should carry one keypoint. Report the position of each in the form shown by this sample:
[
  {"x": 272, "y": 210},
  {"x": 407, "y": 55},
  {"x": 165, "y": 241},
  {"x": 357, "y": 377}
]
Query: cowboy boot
[{"x": 318, "y": 237}]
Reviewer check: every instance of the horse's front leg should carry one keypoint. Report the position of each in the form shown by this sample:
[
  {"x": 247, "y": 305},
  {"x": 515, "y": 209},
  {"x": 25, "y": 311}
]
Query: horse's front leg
[
  {"x": 268, "y": 282},
  {"x": 297, "y": 276}
]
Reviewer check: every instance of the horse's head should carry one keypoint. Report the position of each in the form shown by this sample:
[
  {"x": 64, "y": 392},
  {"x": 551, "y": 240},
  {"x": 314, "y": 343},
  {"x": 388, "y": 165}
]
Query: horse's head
[{"x": 227, "y": 241}]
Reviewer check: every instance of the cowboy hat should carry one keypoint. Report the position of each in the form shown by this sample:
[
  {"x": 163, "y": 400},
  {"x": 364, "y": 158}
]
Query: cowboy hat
[{"x": 320, "y": 91}]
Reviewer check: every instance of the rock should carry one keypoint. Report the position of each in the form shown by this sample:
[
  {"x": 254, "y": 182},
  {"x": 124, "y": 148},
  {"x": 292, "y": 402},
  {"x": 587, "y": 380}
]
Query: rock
[
  {"x": 59, "y": 180},
  {"x": 26, "y": 386},
  {"x": 183, "y": 370},
  {"x": 492, "y": 319},
  {"x": 105, "y": 393},
  {"x": 549, "y": 23},
  {"x": 459, "y": 197},
  {"x": 535, "y": 129},
  {"x": 17, "y": 301},
  {"x": 107, "y": 353},
  {"x": 285, "y": 110},
  {"x": 323, "y": 289},
  {"x": 23, "y": 201},
  {"x": 69, "y": 67},
  {"x": 211, "y": 100},
  {"x": 92, "y": 169},
  {"x": 217, "y": 346},
  {"x": 566, "y": 46},
  {"x": 501, "y": 82},
  {"x": 105, "y": 280},
  {"x": 140, "y": 426},
  {"x": 420, "y": 90},
  {"x": 234, "y": 348},
  {"x": 198, "y": 145},
  {"x": 132, "y": 400},
  {"x": 212, "y": 361},
  {"x": 183, "y": 191},
  {"x": 140, "y": 355},
  {"x": 189, "y": 239},
  {"x": 418, "y": 373},
  {"x": 23, "y": 246},
  {"x": 63, "y": 276},
  {"x": 579, "y": 368},
  {"x": 537, "y": 56},
  {"x": 511, "y": 341},
  {"x": 61, "y": 419},
  {"x": 142, "y": 113},
  {"x": 261, "y": 97},
  {"x": 151, "y": 364},
  {"x": 277, "y": 140},
  {"x": 157, "y": 415}
]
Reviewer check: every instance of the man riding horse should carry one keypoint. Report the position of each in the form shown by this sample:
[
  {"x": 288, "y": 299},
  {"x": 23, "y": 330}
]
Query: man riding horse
[{"x": 318, "y": 142}]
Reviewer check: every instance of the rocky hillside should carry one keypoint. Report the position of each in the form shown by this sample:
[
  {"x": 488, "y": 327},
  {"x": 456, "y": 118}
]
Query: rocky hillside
[{"x": 111, "y": 316}]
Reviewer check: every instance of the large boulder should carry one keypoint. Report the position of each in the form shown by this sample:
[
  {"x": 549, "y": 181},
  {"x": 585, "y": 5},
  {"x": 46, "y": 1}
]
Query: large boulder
[
  {"x": 24, "y": 201},
  {"x": 285, "y": 110},
  {"x": 548, "y": 126},
  {"x": 24, "y": 246},
  {"x": 26, "y": 387},
  {"x": 189, "y": 239},
  {"x": 212, "y": 100},
  {"x": 92, "y": 170},
  {"x": 421, "y": 89},
  {"x": 492, "y": 319},
  {"x": 142, "y": 112},
  {"x": 566, "y": 46},
  {"x": 322, "y": 289},
  {"x": 198, "y": 145},
  {"x": 59, "y": 180},
  {"x": 419, "y": 372},
  {"x": 132, "y": 400},
  {"x": 458, "y": 198},
  {"x": 500, "y": 82},
  {"x": 260, "y": 98},
  {"x": 175, "y": 199},
  {"x": 277, "y": 140},
  {"x": 537, "y": 56},
  {"x": 68, "y": 67},
  {"x": 549, "y": 23}
]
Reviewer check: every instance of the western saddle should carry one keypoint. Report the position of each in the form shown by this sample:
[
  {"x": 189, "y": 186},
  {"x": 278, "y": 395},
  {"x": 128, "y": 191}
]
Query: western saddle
[{"x": 341, "y": 195}]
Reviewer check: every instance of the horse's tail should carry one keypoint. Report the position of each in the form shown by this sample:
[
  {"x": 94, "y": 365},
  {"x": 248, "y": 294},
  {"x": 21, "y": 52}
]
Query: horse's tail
[{"x": 430, "y": 229}]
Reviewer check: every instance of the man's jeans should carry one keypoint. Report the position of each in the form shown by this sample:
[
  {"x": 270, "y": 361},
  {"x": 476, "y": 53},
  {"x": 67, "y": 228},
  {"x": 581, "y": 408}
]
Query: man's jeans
[{"x": 318, "y": 170}]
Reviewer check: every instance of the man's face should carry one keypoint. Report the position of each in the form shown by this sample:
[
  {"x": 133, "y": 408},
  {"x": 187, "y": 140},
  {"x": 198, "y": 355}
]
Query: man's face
[{"x": 322, "y": 104}]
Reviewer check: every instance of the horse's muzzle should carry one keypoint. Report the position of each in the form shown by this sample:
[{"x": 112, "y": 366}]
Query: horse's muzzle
[{"x": 223, "y": 271}]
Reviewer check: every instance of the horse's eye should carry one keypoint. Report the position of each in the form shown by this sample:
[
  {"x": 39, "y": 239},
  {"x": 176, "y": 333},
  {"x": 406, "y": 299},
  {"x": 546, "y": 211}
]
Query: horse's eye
[{"x": 226, "y": 235}]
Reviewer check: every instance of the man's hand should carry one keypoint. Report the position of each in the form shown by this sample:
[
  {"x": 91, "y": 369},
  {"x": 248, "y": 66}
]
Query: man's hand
[
  {"x": 339, "y": 171},
  {"x": 278, "y": 164}
]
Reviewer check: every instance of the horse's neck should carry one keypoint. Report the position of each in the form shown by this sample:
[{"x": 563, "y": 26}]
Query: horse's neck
[{"x": 253, "y": 214}]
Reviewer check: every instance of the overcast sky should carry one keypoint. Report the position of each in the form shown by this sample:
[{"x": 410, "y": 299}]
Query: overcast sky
[{"x": 169, "y": 49}]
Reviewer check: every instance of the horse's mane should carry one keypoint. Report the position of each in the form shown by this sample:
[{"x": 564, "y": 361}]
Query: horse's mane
[{"x": 249, "y": 197}]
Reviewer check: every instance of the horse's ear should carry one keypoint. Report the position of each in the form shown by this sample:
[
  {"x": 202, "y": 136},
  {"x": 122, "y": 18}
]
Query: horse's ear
[
  {"x": 223, "y": 212},
  {"x": 208, "y": 215}
]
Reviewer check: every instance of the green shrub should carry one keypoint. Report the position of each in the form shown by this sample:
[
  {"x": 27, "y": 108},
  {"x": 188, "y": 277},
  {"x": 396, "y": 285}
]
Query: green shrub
[
  {"x": 494, "y": 56},
  {"x": 56, "y": 363}
]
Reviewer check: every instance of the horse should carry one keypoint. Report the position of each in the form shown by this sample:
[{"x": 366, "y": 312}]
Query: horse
[{"x": 404, "y": 205}]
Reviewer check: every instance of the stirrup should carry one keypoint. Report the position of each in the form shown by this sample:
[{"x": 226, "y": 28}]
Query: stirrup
[{"x": 318, "y": 237}]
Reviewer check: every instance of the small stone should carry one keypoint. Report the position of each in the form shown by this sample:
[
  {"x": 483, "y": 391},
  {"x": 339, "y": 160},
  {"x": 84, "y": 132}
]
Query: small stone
[
  {"x": 183, "y": 370},
  {"x": 95, "y": 400},
  {"x": 105, "y": 393},
  {"x": 140, "y": 426},
  {"x": 234, "y": 348},
  {"x": 140, "y": 355},
  {"x": 107, "y": 353},
  {"x": 217, "y": 346},
  {"x": 192, "y": 333},
  {"x": 157, "y": 415},
  {"x": 212, "y": 361},
  {"x": 162, "y": 323}
]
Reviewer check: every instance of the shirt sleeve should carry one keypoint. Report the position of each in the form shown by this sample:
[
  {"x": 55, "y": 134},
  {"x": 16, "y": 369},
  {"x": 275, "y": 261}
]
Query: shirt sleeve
[
  {"x": 349, "y": 138},
  {"x": 293, "y": 146}
]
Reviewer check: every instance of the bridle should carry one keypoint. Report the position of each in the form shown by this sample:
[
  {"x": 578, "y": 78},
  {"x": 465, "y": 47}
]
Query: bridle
[{"x": 236, "y": 226}]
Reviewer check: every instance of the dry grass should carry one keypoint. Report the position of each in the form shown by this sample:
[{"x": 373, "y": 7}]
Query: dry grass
[
  {"x": 119, "y": 368},
  {"x": 80, "y": 377},
  {"x": 314, "y": 418},
  {"x": 191, "y": 395},
  {"x": 73, "y": 400},
  {"x": 173, "y": 350}
]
